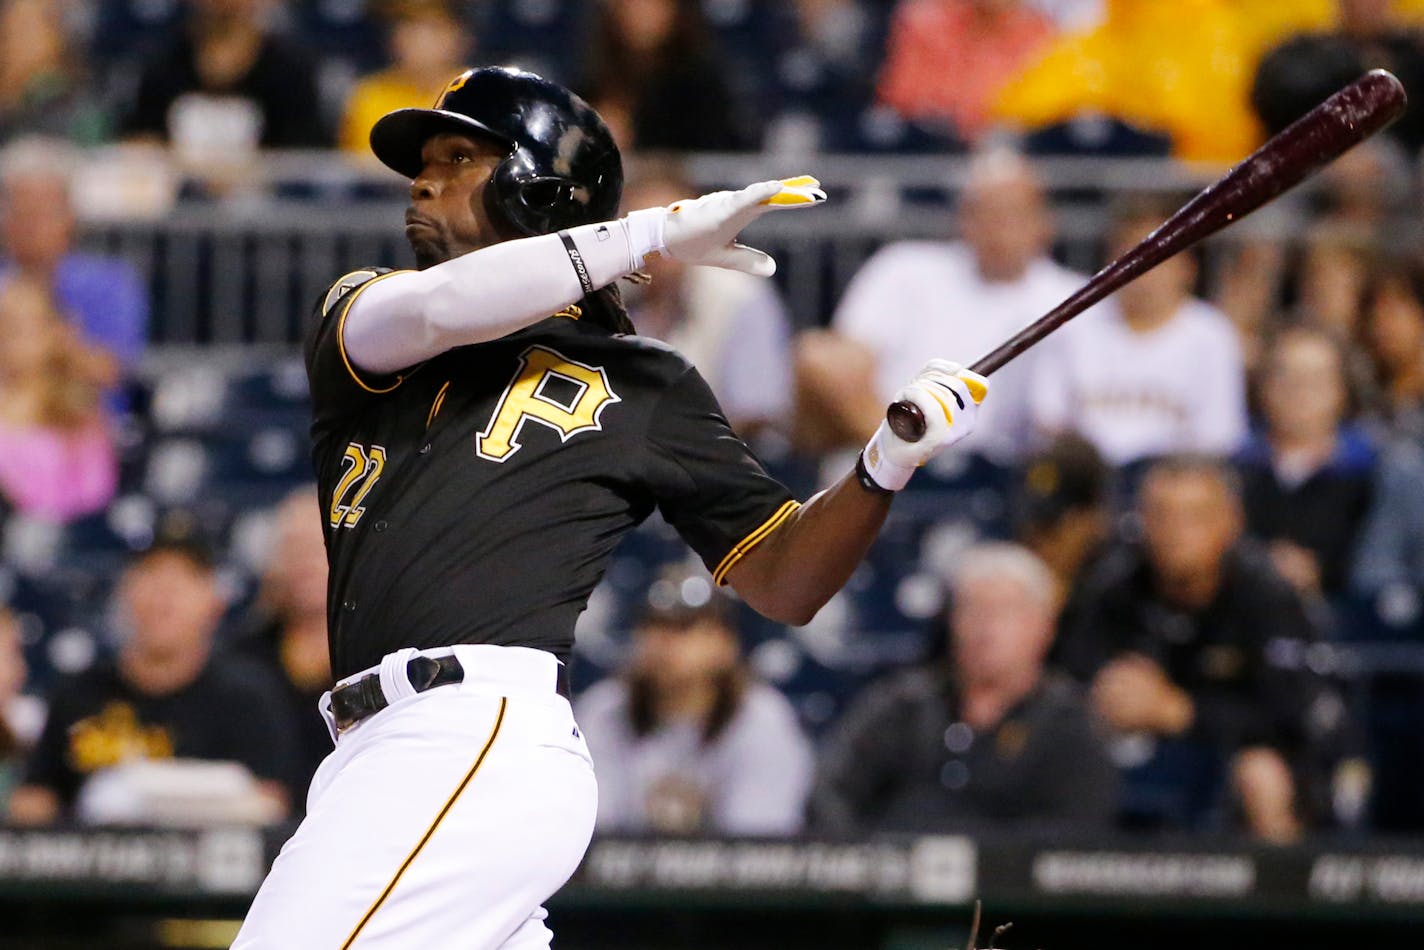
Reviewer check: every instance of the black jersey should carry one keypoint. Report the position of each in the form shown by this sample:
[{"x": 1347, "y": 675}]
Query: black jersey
[{"x": 477, "y": 497}]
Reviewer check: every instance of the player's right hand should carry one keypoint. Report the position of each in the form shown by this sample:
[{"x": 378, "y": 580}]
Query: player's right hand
[
  {"x": 949, "y": 396},
  {"x": 704, "y": 230}
]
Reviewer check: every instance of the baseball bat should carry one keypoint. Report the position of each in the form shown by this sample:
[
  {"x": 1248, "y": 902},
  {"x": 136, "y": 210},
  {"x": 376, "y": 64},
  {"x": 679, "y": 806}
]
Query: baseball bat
[{"x": 1317, "y": 138}]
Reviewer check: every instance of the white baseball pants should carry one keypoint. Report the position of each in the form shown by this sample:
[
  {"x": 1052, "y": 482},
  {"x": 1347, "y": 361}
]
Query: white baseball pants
[{"x": 443, "y": 821}]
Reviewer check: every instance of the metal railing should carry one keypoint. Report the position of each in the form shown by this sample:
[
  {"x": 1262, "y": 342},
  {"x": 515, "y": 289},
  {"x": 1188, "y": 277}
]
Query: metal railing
[{"x": 248, "y": 269}]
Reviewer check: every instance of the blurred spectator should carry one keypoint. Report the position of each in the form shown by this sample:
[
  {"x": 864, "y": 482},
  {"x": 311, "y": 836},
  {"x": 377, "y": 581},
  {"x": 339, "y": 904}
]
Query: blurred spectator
[
  {"x": 1389, "y": 559},
  {"x": 104, "y": 295},
  {"x": 225, "y": 84},
  {"x": 43, "y": 89},
  {"x": 1151, "y": 370},
  {"x": 1306, "y": 475},
  {"x": 1063, "y": 512},
  {"x": 733, "y": 327},
  {"x": 165, "y": 695},
  {"x": 1179, "y": 67},
  {"x": 57, "y": 458},
  {"x": 835, "y": 32},
  {"x": 1393, "y": 334},
  {"x": 1366, "y": 34},
  {"x": 990, "y": 739},
  {"x": 287, "y": 632},
  {"x": 1334, "y": 275},
  {"x": 1184, "y": 639},
  {"x": 655, "y": 80},
  {"x": 914, "y": 300},
  {"x": 427, "y": 45},
  {"x": 687, "y": 740},
  {"x": 12, "y": 679},
  {"x": 948, "y": 60}
]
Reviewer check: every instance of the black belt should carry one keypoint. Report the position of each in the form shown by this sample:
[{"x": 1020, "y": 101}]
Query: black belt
[{"x": 364, "y": 697}]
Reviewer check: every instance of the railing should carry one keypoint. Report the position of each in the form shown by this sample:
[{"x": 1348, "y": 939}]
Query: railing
[{"x": 248, "y": 268}]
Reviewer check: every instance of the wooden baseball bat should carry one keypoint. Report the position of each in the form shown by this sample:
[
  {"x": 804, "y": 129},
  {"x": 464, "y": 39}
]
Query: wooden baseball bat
[{"x": 1317, "y": 138}]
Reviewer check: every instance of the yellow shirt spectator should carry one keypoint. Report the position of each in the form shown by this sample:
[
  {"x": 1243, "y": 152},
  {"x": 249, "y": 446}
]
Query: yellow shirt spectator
[
  {"x": 1182, "y": 67},
  {"x": 428, "y": 45}
]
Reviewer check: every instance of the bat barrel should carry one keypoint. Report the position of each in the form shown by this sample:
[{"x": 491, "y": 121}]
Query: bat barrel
[{"x": 1336, "y": 125}]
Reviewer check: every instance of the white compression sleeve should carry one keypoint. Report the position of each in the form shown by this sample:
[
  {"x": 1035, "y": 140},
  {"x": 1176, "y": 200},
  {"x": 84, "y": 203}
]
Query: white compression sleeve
[{"x": 483, "y": 295}]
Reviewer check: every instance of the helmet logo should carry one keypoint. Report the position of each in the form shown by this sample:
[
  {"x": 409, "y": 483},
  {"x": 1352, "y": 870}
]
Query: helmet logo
[{"x": 456, "y": 84}]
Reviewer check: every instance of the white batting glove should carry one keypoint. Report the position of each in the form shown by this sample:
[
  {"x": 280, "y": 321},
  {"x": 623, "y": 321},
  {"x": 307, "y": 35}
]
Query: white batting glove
[
  {"x": 704, "y": 230},
  {"x": 949, "y": 396}
]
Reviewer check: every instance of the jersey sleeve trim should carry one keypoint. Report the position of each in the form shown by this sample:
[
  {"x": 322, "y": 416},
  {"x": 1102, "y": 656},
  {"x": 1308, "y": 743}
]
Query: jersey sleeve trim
[
  {"x": 742, "y": 547},
  {"x": 341, "y": 338}
]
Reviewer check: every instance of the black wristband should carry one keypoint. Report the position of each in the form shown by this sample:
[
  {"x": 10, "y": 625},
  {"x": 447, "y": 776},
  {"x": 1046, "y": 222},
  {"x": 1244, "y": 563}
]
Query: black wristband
[
  {"x": 576, "y": 259},
  {"x": 866, "y": 482}
]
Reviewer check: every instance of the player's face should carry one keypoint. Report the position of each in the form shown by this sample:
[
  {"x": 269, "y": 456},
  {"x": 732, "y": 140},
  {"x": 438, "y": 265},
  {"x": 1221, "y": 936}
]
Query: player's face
[{"x": 447, "y": 215}]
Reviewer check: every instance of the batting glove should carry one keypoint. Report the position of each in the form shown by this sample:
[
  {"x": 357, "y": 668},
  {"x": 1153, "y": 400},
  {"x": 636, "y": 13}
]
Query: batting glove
[
  {"x": 949, "y": 396},
  {"x": 704, "y": 230}
]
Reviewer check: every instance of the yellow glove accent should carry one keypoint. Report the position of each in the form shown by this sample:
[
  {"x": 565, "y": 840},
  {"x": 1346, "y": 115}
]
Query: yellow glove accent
[{"x": 801, "y": 190}]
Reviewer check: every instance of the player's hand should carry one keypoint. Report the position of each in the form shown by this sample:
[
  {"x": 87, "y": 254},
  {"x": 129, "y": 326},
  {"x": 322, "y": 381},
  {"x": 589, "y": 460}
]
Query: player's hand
[
  {"x": 949, "y": 397},
  {"x": 704, "y": 230}
]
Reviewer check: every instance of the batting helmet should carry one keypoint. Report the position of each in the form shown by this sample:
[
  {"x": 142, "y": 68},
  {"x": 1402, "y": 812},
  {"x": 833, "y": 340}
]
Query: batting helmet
[{"x": 563, "y": 167}]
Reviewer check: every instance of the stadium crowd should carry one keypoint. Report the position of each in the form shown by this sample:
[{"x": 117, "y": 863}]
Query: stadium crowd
[{"x": 1152, "y": 594}]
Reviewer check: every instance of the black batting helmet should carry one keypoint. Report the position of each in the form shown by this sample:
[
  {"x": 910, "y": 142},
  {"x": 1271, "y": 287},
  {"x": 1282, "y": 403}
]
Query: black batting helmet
[{"x": 563, "y": 167}]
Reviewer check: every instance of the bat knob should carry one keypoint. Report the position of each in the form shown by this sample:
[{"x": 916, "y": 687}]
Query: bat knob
[{"x": 906, "y": 421}]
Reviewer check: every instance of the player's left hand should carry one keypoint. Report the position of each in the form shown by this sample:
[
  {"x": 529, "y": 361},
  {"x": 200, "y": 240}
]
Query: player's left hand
[
  {"x": 949, "y": 396},
  {"x": 704, "y": 230}
]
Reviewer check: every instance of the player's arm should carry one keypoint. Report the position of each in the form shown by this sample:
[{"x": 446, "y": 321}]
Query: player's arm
[
  {"x": 411, "y": 316},
  {"x": 800, "y": 565}
]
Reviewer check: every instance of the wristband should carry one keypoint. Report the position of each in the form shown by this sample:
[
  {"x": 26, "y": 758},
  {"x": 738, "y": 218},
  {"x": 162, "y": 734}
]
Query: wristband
[
  {"x": 576, "y": 259},
  {"x": 866, "y": 482},
  {"x": 645, "y": 233}
]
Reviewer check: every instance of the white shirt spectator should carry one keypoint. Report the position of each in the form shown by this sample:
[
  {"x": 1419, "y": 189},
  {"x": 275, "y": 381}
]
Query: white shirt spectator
[
  {"x": 752, "y": 779},
  {"x": 918, "y": 300},
  {"x": 1179, "y": 387}
]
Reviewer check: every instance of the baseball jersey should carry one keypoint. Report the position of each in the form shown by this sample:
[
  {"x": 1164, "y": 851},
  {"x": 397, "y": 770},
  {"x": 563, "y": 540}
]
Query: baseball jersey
[{"x": 476, "y": 497}]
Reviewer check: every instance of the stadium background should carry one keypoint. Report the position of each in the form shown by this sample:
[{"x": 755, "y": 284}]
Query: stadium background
[{"x": 233, "y": 250}]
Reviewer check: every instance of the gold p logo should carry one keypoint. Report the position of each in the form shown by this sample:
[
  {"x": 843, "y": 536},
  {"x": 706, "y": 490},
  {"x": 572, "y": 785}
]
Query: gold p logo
[
  {"x": 529, "y": 398},
  {"x": 455, "y": 84}
]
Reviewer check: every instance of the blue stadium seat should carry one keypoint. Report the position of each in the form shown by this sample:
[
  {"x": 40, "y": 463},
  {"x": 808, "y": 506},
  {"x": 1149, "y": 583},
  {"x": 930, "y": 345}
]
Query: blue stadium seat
[
  {"x": 547, "y": 36},
  {"x": 129, "y": 28},
  {"x": 343, "y": 29}
]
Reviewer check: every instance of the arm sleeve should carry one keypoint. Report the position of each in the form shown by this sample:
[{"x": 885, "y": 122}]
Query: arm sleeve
[
  {"x": 482, "y": 295},
  {"x": 708, "y": 484},
  {"x": 337, "y": 386}
]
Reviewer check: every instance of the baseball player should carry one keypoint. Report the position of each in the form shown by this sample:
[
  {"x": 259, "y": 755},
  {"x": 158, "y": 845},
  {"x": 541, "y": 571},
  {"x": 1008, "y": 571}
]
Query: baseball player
[{"x": 487, "y": 427}]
